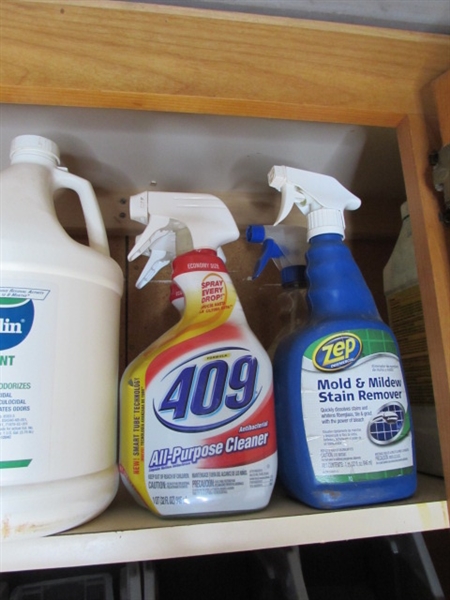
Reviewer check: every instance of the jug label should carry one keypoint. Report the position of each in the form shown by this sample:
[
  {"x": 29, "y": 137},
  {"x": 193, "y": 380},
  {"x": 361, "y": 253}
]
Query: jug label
[
  {"x": 355, "y": 406},
  {"x": 27, "y": 317}
]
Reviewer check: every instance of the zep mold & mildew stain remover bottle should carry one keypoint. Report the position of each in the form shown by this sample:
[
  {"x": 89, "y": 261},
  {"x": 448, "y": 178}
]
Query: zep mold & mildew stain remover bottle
[{"x": 343, "y": 417}]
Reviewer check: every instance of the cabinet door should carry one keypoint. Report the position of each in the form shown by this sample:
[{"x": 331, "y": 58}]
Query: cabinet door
[
  {"x": 441, "y": 90},
  {"x": 417, "y": 139}
]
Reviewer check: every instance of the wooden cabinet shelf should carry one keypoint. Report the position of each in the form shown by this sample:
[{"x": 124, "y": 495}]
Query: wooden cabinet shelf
[
  {"x": 126, "y": 532},
  {"x": 106, "y": 54}
]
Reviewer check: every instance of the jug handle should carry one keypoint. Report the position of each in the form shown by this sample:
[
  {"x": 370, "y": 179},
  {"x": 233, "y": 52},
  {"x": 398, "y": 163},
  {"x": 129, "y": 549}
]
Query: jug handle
[{"x": 96, "y": 231}]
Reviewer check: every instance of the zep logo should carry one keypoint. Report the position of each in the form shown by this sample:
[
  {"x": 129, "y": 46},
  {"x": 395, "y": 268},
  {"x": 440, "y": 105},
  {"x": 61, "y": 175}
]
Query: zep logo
[
  {"x": 337, "y": 352},
  {"x": 16, "y": 320},
  {"x": 208, "y": 391}
]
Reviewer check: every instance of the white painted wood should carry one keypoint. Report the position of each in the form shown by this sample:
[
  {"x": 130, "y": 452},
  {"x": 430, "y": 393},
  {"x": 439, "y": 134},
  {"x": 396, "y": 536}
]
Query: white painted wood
[
  {"x": 123, "y": 152},
  {"x": 127, "y": 532}
]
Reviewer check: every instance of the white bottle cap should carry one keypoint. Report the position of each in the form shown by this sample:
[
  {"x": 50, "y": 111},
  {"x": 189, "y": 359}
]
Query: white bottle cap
[
  {"x": 33, "y": 145},
  {"x": 325, "y": 220}
]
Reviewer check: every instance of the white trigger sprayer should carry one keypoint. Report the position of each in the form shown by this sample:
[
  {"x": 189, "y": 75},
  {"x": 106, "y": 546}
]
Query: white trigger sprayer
[
  {"x": 177, "y": 223},
  {"x": 321, "y": 197}
]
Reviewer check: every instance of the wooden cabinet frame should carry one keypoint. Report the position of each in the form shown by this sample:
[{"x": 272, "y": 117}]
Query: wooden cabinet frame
[{"x": 113, "y": 54}]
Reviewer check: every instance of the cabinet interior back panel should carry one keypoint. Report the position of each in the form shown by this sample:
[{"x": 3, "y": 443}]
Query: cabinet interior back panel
[{"x": 122, "y": 152}]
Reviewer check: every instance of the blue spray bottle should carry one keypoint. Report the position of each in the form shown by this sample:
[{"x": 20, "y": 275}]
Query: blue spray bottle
[
  {"x": 286, "y": 246},
  {"x": 343, "y": 417}
]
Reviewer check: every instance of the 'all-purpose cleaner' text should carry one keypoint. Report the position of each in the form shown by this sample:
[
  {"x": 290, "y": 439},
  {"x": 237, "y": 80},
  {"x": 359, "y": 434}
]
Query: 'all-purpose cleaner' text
[{"x": 191, "y": 455}]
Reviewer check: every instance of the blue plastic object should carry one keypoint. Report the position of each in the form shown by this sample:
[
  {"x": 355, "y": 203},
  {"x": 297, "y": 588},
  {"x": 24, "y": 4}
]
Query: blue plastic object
[
  {"x": 343, "y": 418},
  {"x": 286, "y": 246},
  {"x": 341, "y": 309}
]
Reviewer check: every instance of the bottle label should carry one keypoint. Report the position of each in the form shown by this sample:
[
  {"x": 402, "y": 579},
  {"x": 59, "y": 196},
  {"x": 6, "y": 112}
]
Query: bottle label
[
  {"x": 199, "y": 407},
  {"x": 407, "y": 323},
  {"x": 26, "y": 325},
  {"x": 355, "y": 407}
]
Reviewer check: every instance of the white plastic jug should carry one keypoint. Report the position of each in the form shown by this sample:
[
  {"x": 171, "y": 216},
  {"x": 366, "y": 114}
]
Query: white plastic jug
[
  {"x": 59, "y": 332},
  {"x": 401, "y": 288}
]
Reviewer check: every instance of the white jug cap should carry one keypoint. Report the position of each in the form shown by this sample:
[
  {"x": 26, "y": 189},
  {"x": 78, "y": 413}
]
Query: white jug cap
[{"x": 34, "y": 144}]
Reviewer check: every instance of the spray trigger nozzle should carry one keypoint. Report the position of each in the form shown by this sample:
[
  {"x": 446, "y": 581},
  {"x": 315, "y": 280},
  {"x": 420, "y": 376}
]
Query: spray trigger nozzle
[
  {"x": 161, "y": 252},
  {"x": 321, "y": 197},
  {"x": 285, "y": 245},
  {"x": 177, "y": 223},
  {"x": 270, "y": 251},
  {"x": 156, "y": 229}
]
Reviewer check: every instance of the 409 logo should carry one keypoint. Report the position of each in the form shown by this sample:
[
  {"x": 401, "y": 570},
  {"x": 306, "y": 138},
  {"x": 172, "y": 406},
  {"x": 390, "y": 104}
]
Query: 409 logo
[
  {"x": 337, "y": 352},
  {"x": 207, "y": 391}
]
